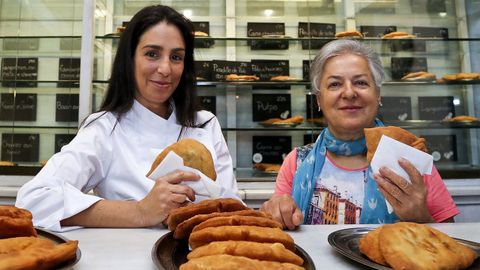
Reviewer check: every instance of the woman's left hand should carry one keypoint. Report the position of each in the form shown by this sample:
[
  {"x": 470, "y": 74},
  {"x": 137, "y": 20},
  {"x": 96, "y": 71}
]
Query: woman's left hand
[{"x": 409, "y": 200}]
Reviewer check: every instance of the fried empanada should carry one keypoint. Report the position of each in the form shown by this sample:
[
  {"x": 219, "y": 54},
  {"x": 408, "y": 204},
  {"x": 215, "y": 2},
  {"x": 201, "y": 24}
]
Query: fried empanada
[
  {"x": 15, "y": 222},
  {"x": 228, "y": 262},
  {"x": 369, "y": 245},
  {"x": 238, "y": 221}
]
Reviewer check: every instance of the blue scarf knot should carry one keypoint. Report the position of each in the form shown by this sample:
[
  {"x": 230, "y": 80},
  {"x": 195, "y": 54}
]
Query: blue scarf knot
[{"x": 374, "y": 208}]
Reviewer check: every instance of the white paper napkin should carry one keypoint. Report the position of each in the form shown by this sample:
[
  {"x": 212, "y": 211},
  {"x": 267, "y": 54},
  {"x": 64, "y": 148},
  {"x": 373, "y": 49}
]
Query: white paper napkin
[
  {"x": 389, "y": 151},
  {"x": 204, "y": 187}
]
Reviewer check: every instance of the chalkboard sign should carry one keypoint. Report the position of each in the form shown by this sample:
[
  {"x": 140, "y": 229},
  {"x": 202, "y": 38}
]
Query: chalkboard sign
[
  {"x": 19, "y": 107},
  {"x": 401, "y": 66},
  {"x": 259, "y": 30},
  {"x": 69, "y": 70},
  {"x": 209, "y": 103},
  {"x": 203, "y": 42},
  {"x": 436, "y": 108},
  {"x": 20, "y": 147},
  {"x": 443, "y": 148},
  {"x": 203, "y": 70},
  {"x": 396, "y": 108},
  {"x": 66, "y": 108},
  {"x": 377, "y": 30},
  {"x": 430, "y": 32},
  {"x": 266, "y": 69},
  {"x": 266, "y": 106},
  {"x": 17, "y": 70},
  {"x": 62, "y": 140},
  {"x": 307, "y": 30},
  {"x": 312, "y": 107},
  {"x": 270, "y": 149},
  {"x": 310, "y": 138},
  {"x": 222, "y": 68},
  {"x": 20, "y": 44},
  {"x": 408, "y": 45},
  {"x": 306, "y": 70}
]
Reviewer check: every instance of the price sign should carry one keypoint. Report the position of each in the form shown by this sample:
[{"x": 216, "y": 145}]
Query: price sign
[
  {"x": 270, "y": 149},
  {"x": 266, "y": 106},
  {"x": 19, "y": 107},
  {"x": 20, "y": 147}
]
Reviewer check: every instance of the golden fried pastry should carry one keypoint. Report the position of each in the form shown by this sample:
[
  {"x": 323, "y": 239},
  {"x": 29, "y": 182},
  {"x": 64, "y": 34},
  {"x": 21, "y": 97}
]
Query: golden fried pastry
[
  {"x": 184, "y": 229},
  {"x": 15, "y": 222},
  {"x": 7, "y": 163},
  {"x": 463, "y": 76},
  {"x": 369, "y": 245},
  {"x": 34, "y": 253},
  {"x": 253, "y": 250},
  {"x": 396, "y": 34},
  {"x": 267, "y": 167},
  {"x": 449, "y": 77},
  {"x": 238, "y": 221},
  {"x": 228, "y": 262},
  {"x": 200, "y": 34},
  {"x": 407, "y": 245},
  {"x": 204, "y": 207},
  {"x": 353, "y": 33},
  {"x": 271, "y": 121},
  {"x": 297, "y": 119},
  {"x": 373, "y": 136},
  {"x": 418, "y": 76},
  {"x": 240, "y": 233},
  {"x": 195, "y": 155},
  {"x": 236, "y": 77},
  {"x": 283, "y": 78},
  {"x": 463, "y": 118}
]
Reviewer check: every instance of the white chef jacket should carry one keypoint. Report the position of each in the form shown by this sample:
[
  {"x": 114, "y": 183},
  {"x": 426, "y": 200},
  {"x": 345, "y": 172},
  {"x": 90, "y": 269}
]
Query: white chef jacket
[{"x": 112, "y": 158}]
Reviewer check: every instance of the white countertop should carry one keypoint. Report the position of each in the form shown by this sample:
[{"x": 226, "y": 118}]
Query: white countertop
[{"x": 131, "y": 248}]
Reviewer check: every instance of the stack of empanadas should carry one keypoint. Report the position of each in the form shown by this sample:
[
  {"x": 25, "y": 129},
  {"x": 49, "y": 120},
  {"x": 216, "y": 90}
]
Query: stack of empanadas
[
  {"x": 406, "y": 245},
  {"x": 397, "y": 35},
  {"x": 225, "y": 234},
  {"x": 20, "y": 248}
]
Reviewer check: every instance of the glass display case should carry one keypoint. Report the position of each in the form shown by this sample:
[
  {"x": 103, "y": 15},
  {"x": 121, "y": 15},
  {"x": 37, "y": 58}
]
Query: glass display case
[{"x": 267, "y": 39}]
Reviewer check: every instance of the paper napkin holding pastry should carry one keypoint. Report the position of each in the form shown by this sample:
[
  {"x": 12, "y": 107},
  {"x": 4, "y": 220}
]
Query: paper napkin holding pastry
[
  {"x": 192, "y": 156},
  {"x": 387, "y": 145}
]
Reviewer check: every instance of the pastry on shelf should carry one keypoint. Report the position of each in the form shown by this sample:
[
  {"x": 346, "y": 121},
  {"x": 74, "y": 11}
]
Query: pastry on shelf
[
  {"x": 200, "y": 34},
  {"x": 267, "y": 167},
  {"x": 294, "y": 120},
  {"x": 120, "y": 29},
  {"x": 236, "y": 77},
  {"x": 463, "y": 118},
  {"x": 283, "y": 78},
  {"x": 349, "y": 34},
  {"x": 397, "y": 35},
  {"x": 7, "y": 163},
  {"x": 462, "y": 76},
  {"x": 419, "y": 76}
]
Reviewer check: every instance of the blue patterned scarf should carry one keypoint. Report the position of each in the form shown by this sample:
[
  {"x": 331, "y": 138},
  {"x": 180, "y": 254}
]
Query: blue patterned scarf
[{"x": 374, "y": 209}]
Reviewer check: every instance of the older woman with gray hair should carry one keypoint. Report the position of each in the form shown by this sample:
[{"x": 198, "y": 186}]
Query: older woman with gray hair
[{"x": 330, "y": 181}]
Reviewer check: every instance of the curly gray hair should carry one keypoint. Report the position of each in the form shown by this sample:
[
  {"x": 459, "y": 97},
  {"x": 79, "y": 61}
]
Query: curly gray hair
[{"x": 340, "y": 47}]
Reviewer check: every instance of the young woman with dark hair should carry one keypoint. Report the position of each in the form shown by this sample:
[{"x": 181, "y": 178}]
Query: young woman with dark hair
[{"x": 98, "y": 180}]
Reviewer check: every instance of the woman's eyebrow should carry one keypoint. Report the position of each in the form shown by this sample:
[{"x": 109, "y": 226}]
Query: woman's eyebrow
[{"x": 158, "y": 47}]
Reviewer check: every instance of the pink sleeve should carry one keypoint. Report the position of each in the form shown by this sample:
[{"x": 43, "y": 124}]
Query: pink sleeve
[
  {"x": 439, "y": 201},
  {"x": 284, "y": 182}
]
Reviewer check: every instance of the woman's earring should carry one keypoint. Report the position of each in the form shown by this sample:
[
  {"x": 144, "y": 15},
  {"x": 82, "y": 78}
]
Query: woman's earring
[
  {"x": 319, "y": 109},
  {"x": 380, "y": 103}
]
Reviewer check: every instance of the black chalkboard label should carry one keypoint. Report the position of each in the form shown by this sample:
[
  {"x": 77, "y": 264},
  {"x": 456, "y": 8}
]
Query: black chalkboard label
[
  {"x": 408, "y": 45},
  {"x": 264, "y": 30},
  {"x": 209, "y": 103},
  {"x": 266, "y": 69},
  {"x": 396, "y": 108},
  {"x": 313, "y": 30},
  {"x": 376, "y": 31},
  {"x": 310, "y": 138},
  {"x": 306, "y": 70},
  {"x": 69, "y": 70},
  {"x": 66, "y": 108},
  {"x": 401, "y": 66},
  {"x": 203, "y": 42},
  {"x": 266, "y": 106},
  {"x": 17, "y": 70},
  {"x": 19, "y": 107},
  {"x": 436, "y": 108},
  {"x": 430, "y": 32},
  {"x": 270, "y": 149},
  {"x": 443, "y": 148},
  {"x": 222, "y": 68},
  {"x": 20, "y": 147},
  {"x": 312, "y": 107},
  {"x": 20, "y": 44},
  {"x": 203, "y": 70},
  {"x": 62, "y": 140}
]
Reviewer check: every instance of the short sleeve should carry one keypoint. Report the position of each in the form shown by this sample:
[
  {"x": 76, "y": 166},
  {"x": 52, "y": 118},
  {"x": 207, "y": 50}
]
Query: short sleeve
[
  {"x": 284, "y": 181},
  {"x": 439, "y": 201}
]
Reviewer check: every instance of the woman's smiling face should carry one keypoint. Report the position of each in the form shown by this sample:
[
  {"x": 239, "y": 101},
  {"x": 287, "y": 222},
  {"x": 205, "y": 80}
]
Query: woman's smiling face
[
  {"x": 348, "y": 97},
  {"x": 159, "y": 63}
]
